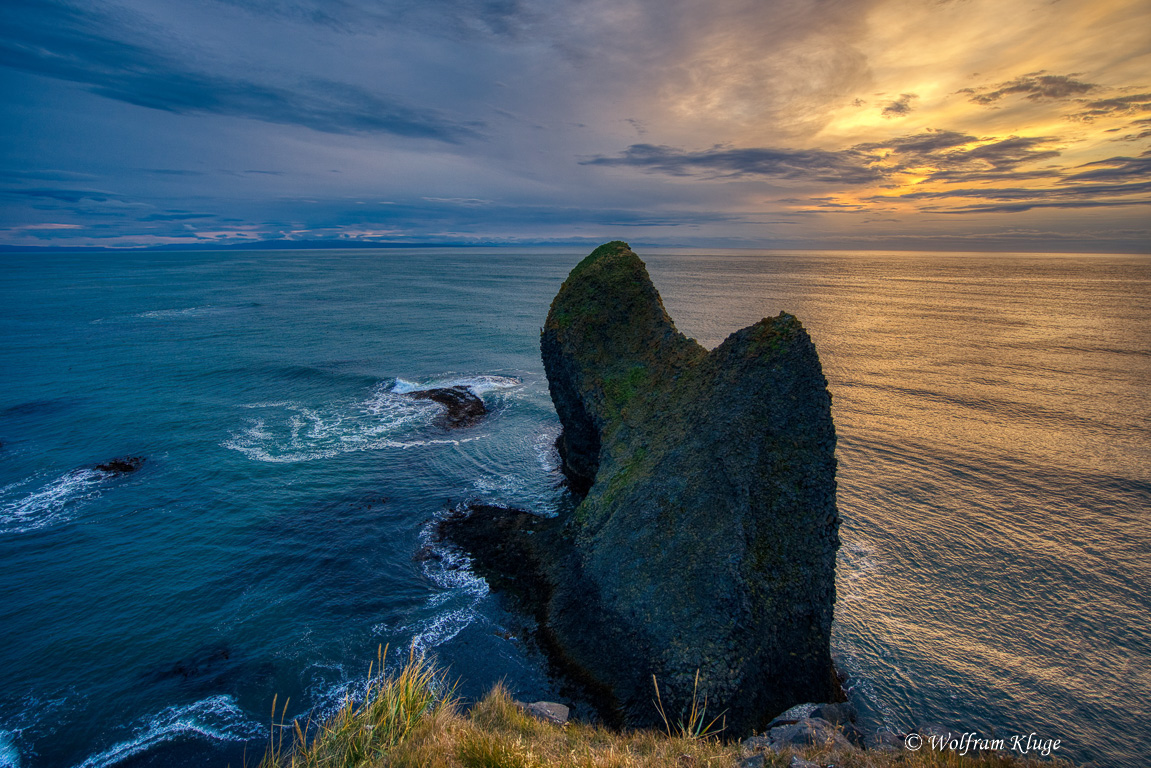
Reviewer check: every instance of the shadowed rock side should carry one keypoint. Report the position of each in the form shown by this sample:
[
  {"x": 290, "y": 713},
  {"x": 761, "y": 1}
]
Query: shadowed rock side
[{"x": 707, "y": 537}]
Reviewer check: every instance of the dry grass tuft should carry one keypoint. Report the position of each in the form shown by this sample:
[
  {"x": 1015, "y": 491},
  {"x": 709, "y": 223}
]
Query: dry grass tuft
[{"x": 361, "y": 732}]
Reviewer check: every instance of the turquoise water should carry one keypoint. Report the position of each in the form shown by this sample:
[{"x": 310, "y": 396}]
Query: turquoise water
[{"x": 995, "y": 474}]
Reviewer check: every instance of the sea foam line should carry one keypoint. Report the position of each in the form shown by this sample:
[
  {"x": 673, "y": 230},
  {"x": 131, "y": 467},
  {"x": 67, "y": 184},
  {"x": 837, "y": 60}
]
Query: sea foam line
[
  {"x": 163, "y": 314},
  {"x": 9, "y": 754},
  {"x": 477, "y": 384},
  {"x": 308, "y": 432},
  {"x": 453, "y": 609},
  {"x": 49, "y": 503},
  {"x": 216, "y": 718}
]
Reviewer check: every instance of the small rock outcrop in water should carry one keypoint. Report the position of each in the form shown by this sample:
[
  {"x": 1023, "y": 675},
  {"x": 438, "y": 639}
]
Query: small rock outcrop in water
[
  {"x": 464, "y": 407},
  {"x": 121, "y": 466},
  {"x": 708, "y": 533}
]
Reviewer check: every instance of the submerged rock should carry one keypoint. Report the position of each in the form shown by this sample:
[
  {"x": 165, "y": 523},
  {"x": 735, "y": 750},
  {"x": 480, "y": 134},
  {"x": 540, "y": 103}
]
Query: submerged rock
[
  {"x": 464, "y": 407},
  {"x": 706, "y": 540},
  {"x": 121, "y": 466}
]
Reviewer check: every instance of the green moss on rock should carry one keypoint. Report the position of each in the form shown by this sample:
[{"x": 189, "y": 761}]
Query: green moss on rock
[{"x": 707, "y": 536}]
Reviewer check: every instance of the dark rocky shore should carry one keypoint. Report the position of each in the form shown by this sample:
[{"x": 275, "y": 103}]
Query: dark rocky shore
[{"x": 706, "y": 536}]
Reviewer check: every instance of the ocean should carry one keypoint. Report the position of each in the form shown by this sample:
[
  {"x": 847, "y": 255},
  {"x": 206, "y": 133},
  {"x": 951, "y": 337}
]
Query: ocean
[{"x": 994, "y": 483}]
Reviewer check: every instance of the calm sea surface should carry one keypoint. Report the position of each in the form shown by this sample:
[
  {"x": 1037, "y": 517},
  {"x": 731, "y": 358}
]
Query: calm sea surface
[{"x": 994, "y": 482}]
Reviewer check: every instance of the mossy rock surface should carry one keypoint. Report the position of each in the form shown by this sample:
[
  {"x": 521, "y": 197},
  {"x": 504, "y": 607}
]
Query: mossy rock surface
[{"x": 707, "y": 533}]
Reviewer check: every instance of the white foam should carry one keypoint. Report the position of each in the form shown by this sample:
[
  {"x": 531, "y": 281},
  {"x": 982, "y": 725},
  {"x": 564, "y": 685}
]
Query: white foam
[
  {"x": 477, "y": 384},
  {"x": 302, "y": 432},
  {"x": 500, "y": 484},
  {"x": 166, "y": 314},
  {"x": 481, "y": 384},
  {"x": 546, "y": 452},
  {"x": 443, "y": 627},
  {"x": 50, "y": 503},
  {"x": 386, "y": 420},
  {"x": 402, "y": 387},
  {"x": 217, "y": 718},
  {"x": 9, "y": 755},
  {"x": 453, "y": 609}
]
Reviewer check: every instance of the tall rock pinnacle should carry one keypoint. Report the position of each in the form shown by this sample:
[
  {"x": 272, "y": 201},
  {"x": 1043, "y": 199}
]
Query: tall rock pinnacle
[{"x": 708, "y": 533}]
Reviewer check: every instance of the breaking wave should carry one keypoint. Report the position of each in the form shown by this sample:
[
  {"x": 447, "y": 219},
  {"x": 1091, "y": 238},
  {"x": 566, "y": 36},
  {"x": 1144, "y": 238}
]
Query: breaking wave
[
  {"x": 216, "y": 718},
  {"x": 296, "y": 431},
  {"x": 51, "y": 503}
]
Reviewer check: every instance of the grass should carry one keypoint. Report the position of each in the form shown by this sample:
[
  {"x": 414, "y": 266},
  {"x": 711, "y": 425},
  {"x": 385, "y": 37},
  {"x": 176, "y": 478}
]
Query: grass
[
  {"x": 695, "y": 724},
  {"x": 362, "y": 731},
  {"x": 411, "y": 720}
]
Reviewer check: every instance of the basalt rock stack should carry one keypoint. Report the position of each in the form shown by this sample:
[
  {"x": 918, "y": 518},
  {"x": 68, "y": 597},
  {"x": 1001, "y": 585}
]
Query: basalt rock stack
[{"x": 706, "y": 540}]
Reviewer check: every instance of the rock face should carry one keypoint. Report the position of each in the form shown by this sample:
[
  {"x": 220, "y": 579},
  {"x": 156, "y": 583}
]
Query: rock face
[{"x": 707, "y": 533}]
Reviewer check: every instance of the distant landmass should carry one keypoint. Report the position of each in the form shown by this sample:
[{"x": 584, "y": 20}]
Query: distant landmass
[{"x": 290, "y": 245}]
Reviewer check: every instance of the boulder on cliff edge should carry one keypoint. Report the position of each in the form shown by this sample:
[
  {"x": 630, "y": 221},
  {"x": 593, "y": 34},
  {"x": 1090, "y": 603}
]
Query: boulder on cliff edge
[{"x": 708, "y": 533}]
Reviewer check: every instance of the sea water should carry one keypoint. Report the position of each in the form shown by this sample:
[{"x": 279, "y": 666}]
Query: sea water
[{"x": 994, "y": 483}]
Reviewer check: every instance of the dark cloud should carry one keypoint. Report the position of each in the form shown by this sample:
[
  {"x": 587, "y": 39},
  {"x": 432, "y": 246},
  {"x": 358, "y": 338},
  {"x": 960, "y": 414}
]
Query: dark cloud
[
  {"x": 949, "y": 156},
  {"x": 433, "y": 213},
  {"x": 63, "y": 195},
  {"x": 46, "y": 174},
  {"x": 1068, "y": 192},
  {"x": 178, "y": 216},
  {"x": 844, "y": 167},
  {"x": 98, "y": 50},
  {"x": 1115, "y": 168},
  {"x": 1031, "y": 205},
  {"x": 941, "y": 155},
  {"x": 1071, "y": 193},
  {"x": 920, "y": 143},
  {"x": 1009, "y": 153},
  {"x": 901, "y": 107},
  {"x": 1038, "y": 86},
  {"x": 953, "y": 176},
  {"x": 1119, "y": 105},
  {"x": 170, "y": 172},
  {"x": 504, "y": 18}
]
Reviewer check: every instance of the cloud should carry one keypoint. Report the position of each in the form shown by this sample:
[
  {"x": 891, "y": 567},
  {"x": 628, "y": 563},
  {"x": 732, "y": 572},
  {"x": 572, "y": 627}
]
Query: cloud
[
  {"x": 1118, "y": 105},
  {"x": 63, "y": 195},
  {"x": 934, "y": 155},
  {"x": 1115, "y": 168},
  {"x": 1038, "y": 86},
  {"x": 455, "y": 18},
  {"x": 901, "y": 107},
  {"x": 1071, "y": 193},
  {"x": 470, "y": 202},
  {"x": 178, "y": 216},
  {"x": 954, "y": 156},
  {"x": 98, "y": 50},
  {"x": 1031, "y": 205},
  {"x": 920, "y": 143},
  {"x": 845, "y": 167},
  {"x": 1084, "y": 191}
]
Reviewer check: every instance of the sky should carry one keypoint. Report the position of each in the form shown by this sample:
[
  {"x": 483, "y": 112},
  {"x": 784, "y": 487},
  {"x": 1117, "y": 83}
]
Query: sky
[{"x": 855, "y": 124}]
